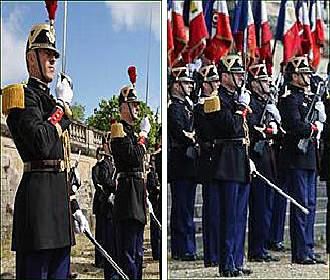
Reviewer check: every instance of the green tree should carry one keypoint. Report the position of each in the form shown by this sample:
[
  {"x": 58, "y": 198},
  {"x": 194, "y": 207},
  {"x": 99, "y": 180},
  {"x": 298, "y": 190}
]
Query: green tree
[
  {"x": 78, "y": 112},
  {"x": 110, "y": 109}
]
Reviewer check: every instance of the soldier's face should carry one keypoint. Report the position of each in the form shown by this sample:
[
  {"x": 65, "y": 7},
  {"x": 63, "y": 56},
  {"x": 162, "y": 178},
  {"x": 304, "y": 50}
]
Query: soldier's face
[
  {"x": 187, "y": 87},
  {"x": 302, "y": 80},
  {"x": 261, "y": 87},
  {"x": 48, "y": 63},
  {"x": 239, "y": 77},
  {"x": 211, "y": 86}
]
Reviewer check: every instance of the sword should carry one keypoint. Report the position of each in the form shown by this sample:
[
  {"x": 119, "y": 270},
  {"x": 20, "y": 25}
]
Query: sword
[
  {"x": 151, "y": 211},
  {"x": 106, "y": 255},
  {"x": 302, "y": 208}
]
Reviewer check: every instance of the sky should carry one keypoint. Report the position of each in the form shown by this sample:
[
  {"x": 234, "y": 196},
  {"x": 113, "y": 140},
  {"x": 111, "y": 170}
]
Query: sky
[{"x": 103, "y": 39}]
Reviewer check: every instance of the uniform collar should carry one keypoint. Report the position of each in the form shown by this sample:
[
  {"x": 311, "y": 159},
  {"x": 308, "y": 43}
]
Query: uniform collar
[
  {"x": 38, "y": 84},
  {"x": 296, "y": 89}
]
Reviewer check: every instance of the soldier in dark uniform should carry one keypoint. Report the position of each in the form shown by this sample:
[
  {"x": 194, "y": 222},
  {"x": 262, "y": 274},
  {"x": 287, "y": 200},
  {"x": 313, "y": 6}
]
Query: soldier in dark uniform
[
  {"x": 230, "y": 162},
  {"x": 44, "y": 203},
  {"x": 263, "y": 127},
  {"x": 103, "y": 178},
  {"x": 129, "y": 211},
  {"x": 181, "y": 165},
  {"x": 153, "y": 188},
  {"x": 208, "y": 81},
  {"x": 300, "y": 165}
]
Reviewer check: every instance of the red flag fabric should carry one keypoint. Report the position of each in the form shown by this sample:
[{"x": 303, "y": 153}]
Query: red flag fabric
[
  {"x": 304, "y": 27},
  {"x": 170, "y": 43},
  {"x": 317, "y": 30},
  {"x": 197, "y": 31},
  {"x": 291, "y": 38},
  {"x": 221, "y": 38},
  {"x": 179, "y": 33},
  {"x": 263, "y": 33},
  {"x": 51, "y": 8}
]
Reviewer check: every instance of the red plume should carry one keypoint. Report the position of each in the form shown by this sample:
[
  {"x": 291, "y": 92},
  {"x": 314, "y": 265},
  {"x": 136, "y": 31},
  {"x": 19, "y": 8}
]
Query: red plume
[
  {"x": 132, "y": 74},
  {"x": 51, "y": 8}
]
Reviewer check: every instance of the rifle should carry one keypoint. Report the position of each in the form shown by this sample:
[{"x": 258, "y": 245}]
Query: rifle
[{"x": 311, "y": 115}]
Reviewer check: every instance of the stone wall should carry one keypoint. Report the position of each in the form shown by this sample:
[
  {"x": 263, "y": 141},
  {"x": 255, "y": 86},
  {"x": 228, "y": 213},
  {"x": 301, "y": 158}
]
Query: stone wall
[{"x": 82, "y": 138}]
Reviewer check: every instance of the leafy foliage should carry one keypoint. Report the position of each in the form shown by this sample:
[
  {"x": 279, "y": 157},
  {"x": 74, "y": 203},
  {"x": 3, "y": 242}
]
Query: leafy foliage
[{"x": 78, "y": 112}]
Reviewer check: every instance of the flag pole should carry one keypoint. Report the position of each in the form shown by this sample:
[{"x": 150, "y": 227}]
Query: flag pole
[{"x": 148, "y": 58}]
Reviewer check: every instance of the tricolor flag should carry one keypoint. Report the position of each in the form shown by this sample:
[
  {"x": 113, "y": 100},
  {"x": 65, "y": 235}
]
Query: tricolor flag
[
  {"x": 178, "y": 30},
  {"x": 263, "y": 33},
  {"x": 197, "y": 29},
  {"x": 244, "y": 29},
  {"x": 170, "y": 43},
  {"x": 317, "y": 30},
  {"x": 218, "y": 25},
  {"x": 287, "y": 30},
  {"x": 302, "y": 15}
]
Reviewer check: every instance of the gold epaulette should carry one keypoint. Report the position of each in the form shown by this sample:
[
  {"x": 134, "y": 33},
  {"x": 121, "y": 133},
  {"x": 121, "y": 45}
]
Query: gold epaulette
[
  {"x": 117, "y": 131},
  {"x": 212, "y": 104},
  {"x": 12, "y": 97}
]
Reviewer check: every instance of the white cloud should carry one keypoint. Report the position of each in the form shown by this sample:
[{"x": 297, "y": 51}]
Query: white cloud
[
  {"x": 135, "y": 15},
  {"x": 13, "y": 42}
]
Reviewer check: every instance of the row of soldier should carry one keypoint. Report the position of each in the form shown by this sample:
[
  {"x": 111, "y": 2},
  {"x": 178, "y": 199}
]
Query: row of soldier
[{"x": 223, "y": 128}]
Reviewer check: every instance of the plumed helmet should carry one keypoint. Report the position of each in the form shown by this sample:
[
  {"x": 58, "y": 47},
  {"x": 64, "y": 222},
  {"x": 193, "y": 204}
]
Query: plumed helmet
[
  {"x": 231, "y": 64},
  {"x": 42, "y": 36},
  {"x": 298, "y": 64},
  {"x": 258, "y": 72},
  {"x": 128, "y": 94},
  {"x": 180, "y": 74},
  {"x": 208, "y": 73}
]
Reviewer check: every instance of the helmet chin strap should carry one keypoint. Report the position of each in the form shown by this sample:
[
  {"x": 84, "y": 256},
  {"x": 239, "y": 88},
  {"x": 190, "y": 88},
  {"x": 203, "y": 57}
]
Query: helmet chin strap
[
  {"x": 130, "y": 111},
  {"x": 303, "y": 78},
  {"x": 183, "y": 90},
  {"x": 264, "y": 93},
  {"x": 39, "y": 65},
  {"x": 235, "y": 83}
]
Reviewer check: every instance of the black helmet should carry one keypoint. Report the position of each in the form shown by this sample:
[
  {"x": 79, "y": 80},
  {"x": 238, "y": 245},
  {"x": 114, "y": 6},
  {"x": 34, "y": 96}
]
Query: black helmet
[
  {"x": 231, "y": 64},
  {"x": 258, "y": 72},
  {"x": 180, "y": 74},
  {"x": 42, "y": 36},
  {"x": 298, "y": 65},
  {"x": 128, "y": 94},
  {"x": 208, "y": 73}
]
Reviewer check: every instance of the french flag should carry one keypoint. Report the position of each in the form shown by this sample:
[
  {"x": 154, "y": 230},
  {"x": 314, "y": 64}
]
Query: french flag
[
  {"x": 305, "y": 34},
  {"x": 263, "y": 33},
  {"x": 170, "y": 43},
  {"x": 243, "y": 22},
  {"x": 218, "y": 25},
  {"x": 317, "y": 30},
  {"x": 197, "y": 29},
  {"x": 178, "y": 30},
  {"x": 287, "y": 30}
]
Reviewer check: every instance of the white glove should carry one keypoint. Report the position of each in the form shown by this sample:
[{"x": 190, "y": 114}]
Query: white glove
[
  {"x": 145, "y": 126},
  {"x": 111, "y": 199},
  {"x": 63, "y": 89},
  {"x": 272, "y": 109},
  {"x": 244, "y": 98},
  {"x": 80, "y": 223},
  {"x": 319, "y": 106},
  {"x": 319, "y": 126},
  {"x": 252, "y": 167},
  {"x": 273, "y": 125}
]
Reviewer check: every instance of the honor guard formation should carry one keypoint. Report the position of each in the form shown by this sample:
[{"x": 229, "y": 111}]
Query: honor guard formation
[
  {"x": 126, "y": 176},
  {"x": 250, "y": 138}
]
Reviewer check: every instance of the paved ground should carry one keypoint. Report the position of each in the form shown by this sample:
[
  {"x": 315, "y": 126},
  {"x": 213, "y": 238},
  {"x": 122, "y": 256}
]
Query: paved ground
[{"x": 274, "y": 270}]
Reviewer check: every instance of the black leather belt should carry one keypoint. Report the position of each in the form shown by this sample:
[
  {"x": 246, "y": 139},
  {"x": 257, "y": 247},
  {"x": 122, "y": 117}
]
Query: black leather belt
[
  {"x": 50, "y": 165},
  {"x": 138, "y": 175}
]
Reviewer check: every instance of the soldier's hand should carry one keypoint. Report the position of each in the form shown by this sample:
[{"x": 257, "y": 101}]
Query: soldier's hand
[
  {"x": 252, "y": 167},
  {"x": 111, "y": 199},
  {"x": 80, "y": 223},
  {"x": 274, "y": 127},
  {"x": 145, "y": 126},
  {"x": 64, "y": 92},
  {"x": 272, "y": 109},
  {"x": 244, "y": 98},
  {"x": 319, "y": 106}
]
